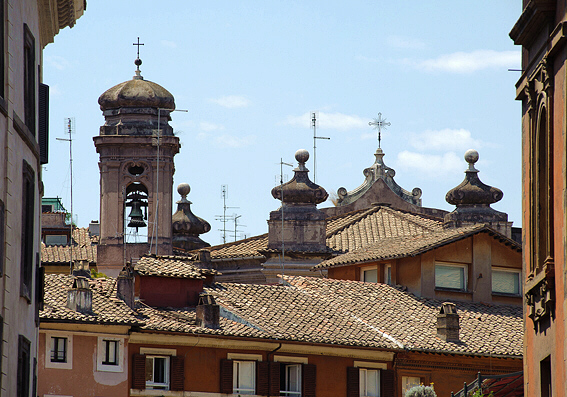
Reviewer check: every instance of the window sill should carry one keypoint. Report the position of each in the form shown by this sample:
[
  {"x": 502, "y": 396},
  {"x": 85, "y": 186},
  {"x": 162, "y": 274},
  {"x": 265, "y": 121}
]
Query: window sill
[
  {"x": 504, "y": 294},
  {"x": 461, "y": 291}
]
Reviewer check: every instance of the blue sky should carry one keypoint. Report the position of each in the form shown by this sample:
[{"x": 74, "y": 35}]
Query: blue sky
[{"x": 250, "y": 72}]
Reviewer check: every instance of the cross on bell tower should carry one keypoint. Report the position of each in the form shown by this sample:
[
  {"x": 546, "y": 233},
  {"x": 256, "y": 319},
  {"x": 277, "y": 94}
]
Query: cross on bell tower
[{"x": 378, "y": 124}]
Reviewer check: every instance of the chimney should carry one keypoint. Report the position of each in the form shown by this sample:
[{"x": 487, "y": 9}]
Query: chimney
[
  {"x": 208, "y": 312},
  {"x": 125, "y": 285},
  {"x": 80, "y": 296},
  {"x": 94, "y": 228},
  {"x": 448, "y": 323}
]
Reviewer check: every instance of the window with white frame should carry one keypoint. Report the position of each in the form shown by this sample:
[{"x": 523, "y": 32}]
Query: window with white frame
[
  {"x": 157, "y": 372},
  {"x": 110, "y": 354},
  {"x": 506, "y": 281},
  {"x": 369, "y": 274},
  {"x": 451, "y": 276},
  {"x": 244, "y": 377},
  {"x": 290, "y": 379},
  {"x": 58, "y": 350},
  {"x": 369, "y": 382}
]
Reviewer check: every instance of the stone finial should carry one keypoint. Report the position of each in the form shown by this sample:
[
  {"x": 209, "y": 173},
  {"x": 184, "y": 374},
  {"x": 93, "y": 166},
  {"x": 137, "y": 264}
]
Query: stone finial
[
  {"x": 186, "y": 226},
  {"x": 472, "y": 190},
  {"x": 300, "y": 190},
  {"x": 448, "y": 323},
  {"x": 473, "y": 199}
]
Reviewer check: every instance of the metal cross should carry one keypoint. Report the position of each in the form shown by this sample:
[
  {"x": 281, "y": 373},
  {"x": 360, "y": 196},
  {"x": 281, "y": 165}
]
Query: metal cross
[
  {"x": 138, "y": 44},
  {"x": 378, "y": 124}
]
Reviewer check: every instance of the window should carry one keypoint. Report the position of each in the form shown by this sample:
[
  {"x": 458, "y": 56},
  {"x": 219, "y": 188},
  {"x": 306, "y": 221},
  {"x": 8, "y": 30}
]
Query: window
[
  {"x": 158, "y": 369},
  {"x": 29, "y": 79},
  {"x": 545, "y": 377},
  {"x": 58, "y": 350},
  {"x": 157, "y": 372},
  {"x": 506, "y": 282},
  {"x": 369, "y": 382},
  {"x": 55, "y": 239},
  {"x": 290, "y": 380},
  {"x": 408, "y": 382},
  {"x": 27, "y": 244},
  {"x": 369, "y": 274},
  {"x": 24, "y": 366},
  {"x": 110, "y": 354},
  {"x": 388, "y": 274},
  {"x": 244, "y": 377},
  {"x": 451, "y": 276}
]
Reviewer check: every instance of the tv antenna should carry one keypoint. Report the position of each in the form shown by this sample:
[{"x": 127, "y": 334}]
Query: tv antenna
[
  {"x": 69, "y": 126},
  {"x": 282, "y": 258},
  {"x": 315, "y": 137},
  {"x": 224, "y": 218},
  {"x": 236, "y": 224}
]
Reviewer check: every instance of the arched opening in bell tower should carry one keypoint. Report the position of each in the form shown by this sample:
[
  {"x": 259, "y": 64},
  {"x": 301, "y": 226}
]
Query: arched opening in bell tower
[{"x": 136, "y": 220}]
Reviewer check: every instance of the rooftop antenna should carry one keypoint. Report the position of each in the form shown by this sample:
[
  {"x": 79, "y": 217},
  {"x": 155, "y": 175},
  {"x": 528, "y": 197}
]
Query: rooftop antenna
[
  {"x": 378, "y": 124},
  {"x": 282, "y": 258},
  {"x": 224, "y": 218},
  {"x": 70, "y": 129},
  {"x": 315, "y": 137},
  {"x": 236, "y": 224}
]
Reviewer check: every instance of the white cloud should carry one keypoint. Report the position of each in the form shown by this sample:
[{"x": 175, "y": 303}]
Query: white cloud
[
  {"x": 170, "y": 44},
  {"x": 57, "y": 62},
  {"x": 206, "y": 126},
  {"x": 468, "y": 62},
  {"x": 405, "y": 43},
  {"x": 430, "y": 165},
  {"x": 231, "y": 101},
  {"x": 445, "y": 139},
  {"x": 335, "y": 121},
  {"x": 235, "y": 141},
  {"x": 202, "y": 136}
]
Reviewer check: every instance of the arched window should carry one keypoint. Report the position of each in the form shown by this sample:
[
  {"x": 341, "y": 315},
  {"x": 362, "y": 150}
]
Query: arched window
[{"x": 136, "y": 218}]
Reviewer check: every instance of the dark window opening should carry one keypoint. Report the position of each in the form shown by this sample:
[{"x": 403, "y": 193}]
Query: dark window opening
[
  {"x": 28, "y": 206},
  {"x": 58, "y": 350},
  {"x": 110, "y": 352},
  {"x": 29, "y": 79},
  {"x": 24, "y": 366},
  {"x": 545, "y": 377}
]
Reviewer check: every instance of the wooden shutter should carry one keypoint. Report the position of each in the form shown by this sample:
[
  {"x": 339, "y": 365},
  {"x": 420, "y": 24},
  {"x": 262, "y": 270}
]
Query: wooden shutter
[
  {"x": 226, "y": 376},
  {"x": 262, "y": 378},
  {"x": 43, "y": 125},
  {"x": 177, "y": 373},
  {"x": 274, "y": 379},
  {"x": 138, "y": 371},
  {"x": 308, "y": 380},
  {"x": 353, "y": 382},
  {"x": 387, "y": 382}
]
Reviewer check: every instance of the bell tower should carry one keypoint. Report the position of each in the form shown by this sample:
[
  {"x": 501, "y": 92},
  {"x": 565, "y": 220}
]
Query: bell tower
[{"x": 136, "y": 145}]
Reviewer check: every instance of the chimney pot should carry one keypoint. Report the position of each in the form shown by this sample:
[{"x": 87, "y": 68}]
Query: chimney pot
[
  {"x": 448, "y": 323},
  {"x": 80, "y": 296},
  {"x": 208, "y": 312}
]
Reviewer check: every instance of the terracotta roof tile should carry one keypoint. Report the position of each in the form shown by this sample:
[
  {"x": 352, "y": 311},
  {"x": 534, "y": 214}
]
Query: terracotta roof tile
[
  {"x": 84, "y": 248},
  {"x": 171, "y": 266},
  {"x": 411, "y": 245},
  {"x": 107, "y": 309}
]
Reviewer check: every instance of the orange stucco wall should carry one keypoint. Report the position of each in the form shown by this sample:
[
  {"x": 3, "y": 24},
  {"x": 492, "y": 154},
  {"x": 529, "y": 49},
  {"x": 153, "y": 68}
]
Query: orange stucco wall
[{"x": 82, "y": 379}]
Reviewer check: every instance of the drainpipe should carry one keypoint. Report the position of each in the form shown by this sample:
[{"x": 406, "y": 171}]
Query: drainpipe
[{"x": 269, "y": 377}]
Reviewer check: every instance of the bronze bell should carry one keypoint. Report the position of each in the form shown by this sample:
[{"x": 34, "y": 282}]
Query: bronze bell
[{"x": 136, "y": 216}]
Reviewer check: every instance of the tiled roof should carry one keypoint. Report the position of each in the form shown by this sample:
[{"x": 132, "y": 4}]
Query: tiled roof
[
  {"x": 249, "y": 247},
  {"x": 399, "y": 247},
  {"x": 83, "y": 249},
  {"x": 361, "y": 228},
  {"x": 311, "y": 310},
  {"x": 344, "y": 232},
  {"x": 107, "y": 309},
  {"x": 170, "y": 266}
]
